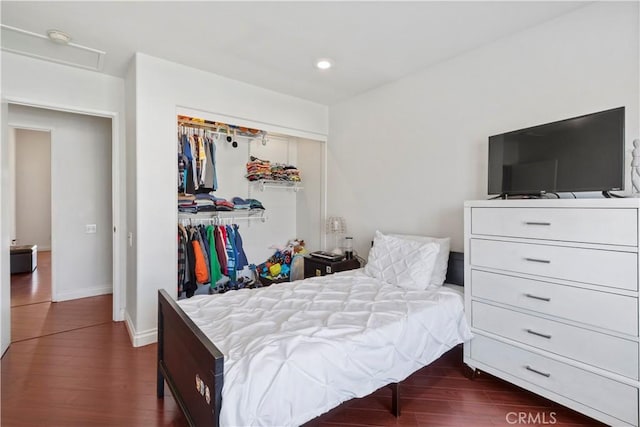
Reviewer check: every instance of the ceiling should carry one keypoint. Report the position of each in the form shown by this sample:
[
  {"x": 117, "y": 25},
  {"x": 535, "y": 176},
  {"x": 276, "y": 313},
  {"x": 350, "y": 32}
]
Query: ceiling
[{"x": 275, "y": 44}]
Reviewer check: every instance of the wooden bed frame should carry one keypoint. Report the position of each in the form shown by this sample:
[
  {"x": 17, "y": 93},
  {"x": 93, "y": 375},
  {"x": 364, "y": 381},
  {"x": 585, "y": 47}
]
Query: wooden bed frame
[{"x": 193, "y": 366}]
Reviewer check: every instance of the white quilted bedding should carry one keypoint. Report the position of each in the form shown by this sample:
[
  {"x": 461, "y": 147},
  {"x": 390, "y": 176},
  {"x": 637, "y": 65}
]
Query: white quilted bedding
[{"x": 295, "y": 350}]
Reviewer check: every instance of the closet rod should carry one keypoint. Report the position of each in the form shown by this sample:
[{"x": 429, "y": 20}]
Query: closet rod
[
  {"x": 201, "y": 125},
  {"x": 217, "y": 127},
  {"x": 263, "y": 138},
  {"x": 220, "y": 217},
  {"x": 218, "y": 221}
]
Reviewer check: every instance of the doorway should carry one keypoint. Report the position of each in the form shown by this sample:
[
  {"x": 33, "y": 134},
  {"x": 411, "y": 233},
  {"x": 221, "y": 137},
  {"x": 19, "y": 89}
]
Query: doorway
[{"x": 65, "y": 211}]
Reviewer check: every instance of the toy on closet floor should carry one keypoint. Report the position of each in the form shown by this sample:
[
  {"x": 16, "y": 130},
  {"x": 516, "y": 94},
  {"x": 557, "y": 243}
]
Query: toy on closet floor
[{"x": 284, "y": 265}]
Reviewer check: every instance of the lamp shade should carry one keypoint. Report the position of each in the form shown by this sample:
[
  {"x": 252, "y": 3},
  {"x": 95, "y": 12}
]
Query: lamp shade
[{"x": 336, "y": 225}]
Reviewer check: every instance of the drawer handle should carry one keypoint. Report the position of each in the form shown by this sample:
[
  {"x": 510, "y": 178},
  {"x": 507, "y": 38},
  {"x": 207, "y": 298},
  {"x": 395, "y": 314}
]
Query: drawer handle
[
  {"x": 537, "y": 297},
  {"x": 537, "y": 223},
  {"x": 542, "y": 261},
  {"x": 544, "y": 374},
  {"x": 540, "y": 334}
]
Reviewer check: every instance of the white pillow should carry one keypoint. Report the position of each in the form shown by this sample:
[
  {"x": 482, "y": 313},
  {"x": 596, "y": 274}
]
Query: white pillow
[
  {"x": 440, "y": 270},
  {"x": 405, "y": 263}
]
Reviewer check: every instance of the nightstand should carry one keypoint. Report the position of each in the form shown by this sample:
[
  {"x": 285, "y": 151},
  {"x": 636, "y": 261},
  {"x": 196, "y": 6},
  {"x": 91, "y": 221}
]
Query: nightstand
[{"x": 314, "y": 266}]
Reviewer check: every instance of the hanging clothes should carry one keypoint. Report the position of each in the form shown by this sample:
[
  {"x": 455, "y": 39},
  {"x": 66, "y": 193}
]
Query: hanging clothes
[
  {"x": 194, "y": 161},
  {"x": 204, "y": 244},
  {"x": 213, "y": 255},
  {"x": 186, "y": 277},
  {"x": 241, "y": 258},
  {"x": 202, "y": 159},
  {"x": 200, "y": 264},
  {"x": 182, "y": 260},
  {"x": 221, "y": 238},
  {"x": 189, "y": 186},
  {"x": 216, "y": 274},
  {"x": 210, "y": 176},
  {"x": 190, "y": 285},
  {"x": 229, "y": 243}
]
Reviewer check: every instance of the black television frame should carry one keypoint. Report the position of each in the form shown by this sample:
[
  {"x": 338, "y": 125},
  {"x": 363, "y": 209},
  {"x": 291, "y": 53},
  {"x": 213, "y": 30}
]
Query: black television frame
[{"x": 542, "y": 192}]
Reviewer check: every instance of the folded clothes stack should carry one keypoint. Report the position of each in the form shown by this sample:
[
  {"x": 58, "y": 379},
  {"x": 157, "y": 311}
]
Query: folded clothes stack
[
  {"x": 277, "y": 172},
  {"x": 240, "y": 203},
  {"x": 186, "y": 198},
  {"x": 206, "y": 202},
  {"x": 254, "y": 204},
  {"x": 224, "y": 205},
  {"x": 292, "y": 172},
  {"x": 258, "y": 169},
  {"x": 186, "y": 203},
  {"x": 284, "y": 172}
]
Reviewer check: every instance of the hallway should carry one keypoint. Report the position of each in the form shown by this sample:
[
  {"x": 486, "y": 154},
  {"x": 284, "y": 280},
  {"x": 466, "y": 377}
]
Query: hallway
[{"x": 34, "y": 315}]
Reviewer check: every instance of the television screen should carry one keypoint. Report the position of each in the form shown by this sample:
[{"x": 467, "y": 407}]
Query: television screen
[{"x": 583, "y": 153}]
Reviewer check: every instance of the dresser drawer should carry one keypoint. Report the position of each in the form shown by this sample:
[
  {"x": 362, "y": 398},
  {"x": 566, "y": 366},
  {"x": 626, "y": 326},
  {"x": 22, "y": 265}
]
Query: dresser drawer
[
  {"x": 609, "y": 311},
  {"x": 606, "y": 226},
  {"x": 586, "y": 388},
  {"x": 599, "y": 267},
  {"x": 601, "y": 350}
]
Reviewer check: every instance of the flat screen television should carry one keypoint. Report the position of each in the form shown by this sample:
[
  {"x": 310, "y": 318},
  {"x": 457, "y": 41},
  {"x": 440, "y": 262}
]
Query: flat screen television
[{"x": 583, "y": 153}]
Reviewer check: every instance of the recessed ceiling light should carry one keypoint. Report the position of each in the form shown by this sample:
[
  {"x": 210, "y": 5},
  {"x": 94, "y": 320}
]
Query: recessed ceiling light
[
  {"x": 324, "y": 64},
  {"x": 58, "y": 36}
]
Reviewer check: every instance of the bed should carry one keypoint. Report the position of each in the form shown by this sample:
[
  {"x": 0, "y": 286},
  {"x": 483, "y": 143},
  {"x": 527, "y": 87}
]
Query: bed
[{"x": 290, "y": 352}]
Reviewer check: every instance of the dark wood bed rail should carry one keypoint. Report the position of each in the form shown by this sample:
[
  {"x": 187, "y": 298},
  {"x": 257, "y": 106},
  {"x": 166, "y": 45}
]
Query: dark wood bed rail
[{"x": 190, "y": 363}]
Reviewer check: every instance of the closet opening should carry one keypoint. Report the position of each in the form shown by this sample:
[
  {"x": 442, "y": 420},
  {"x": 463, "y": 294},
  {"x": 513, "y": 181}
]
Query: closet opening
[{"x": 242, "y": 182}]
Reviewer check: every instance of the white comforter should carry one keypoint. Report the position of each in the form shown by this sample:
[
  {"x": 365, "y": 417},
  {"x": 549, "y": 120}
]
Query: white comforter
[{"x": 295, "y": 350}]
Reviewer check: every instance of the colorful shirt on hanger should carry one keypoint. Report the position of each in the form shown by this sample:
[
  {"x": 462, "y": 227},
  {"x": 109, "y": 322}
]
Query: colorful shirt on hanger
[{"x": 216, "y": 274}]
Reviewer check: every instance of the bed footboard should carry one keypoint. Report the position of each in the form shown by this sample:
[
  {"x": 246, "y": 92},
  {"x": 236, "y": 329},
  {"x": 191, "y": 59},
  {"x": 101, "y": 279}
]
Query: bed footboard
[{"x": 190, "y": 363}]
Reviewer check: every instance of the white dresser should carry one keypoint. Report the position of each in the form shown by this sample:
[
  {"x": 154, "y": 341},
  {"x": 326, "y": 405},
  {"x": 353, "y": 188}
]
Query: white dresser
[{"x": 551, "y": 291}]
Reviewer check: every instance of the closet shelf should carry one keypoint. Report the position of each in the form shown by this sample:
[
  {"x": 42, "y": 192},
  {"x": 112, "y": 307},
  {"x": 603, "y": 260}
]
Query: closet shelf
[
  {"x": 270, "y": 183},
  {"x": 224, "y": 130},
  {"x": 220, "y": 217}
]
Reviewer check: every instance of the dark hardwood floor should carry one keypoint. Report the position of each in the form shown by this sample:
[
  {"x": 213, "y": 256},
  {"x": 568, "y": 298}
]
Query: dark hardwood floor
[
  {"x": 82, "y": 371},
  {"x": 33, "y": 288}
]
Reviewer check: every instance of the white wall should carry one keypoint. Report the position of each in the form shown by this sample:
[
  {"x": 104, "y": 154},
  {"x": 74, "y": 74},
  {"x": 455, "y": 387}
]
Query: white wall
[
  {"x": 33, "y": 188},
  {"x": 81, "y": 195},
  {"x": 131, "y": 230},
  {"x": 163, "y": 87},
  {"x": 40, "y": 83},
  {"x": 310, "y": 207},
  {"x": 405, "y": 156}
]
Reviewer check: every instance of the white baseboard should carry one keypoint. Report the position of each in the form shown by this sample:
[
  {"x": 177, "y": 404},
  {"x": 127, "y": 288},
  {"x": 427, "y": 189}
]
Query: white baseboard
[
  {"x": 139, "y": 339},
  {"x": 82, "y": 293}
]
